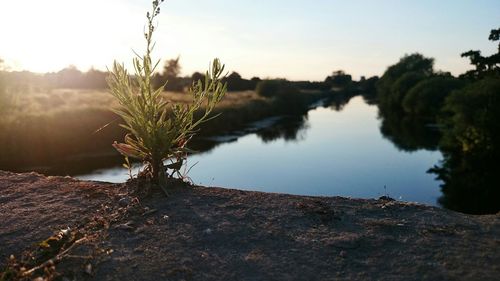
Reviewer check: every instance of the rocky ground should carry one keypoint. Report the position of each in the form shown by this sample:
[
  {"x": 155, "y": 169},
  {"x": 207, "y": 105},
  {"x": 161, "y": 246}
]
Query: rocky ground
[{"x": 200, "y": 233}]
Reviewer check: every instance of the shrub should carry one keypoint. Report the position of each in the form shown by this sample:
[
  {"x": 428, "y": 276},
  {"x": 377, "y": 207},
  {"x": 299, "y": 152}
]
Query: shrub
[{"x": 157, "y": 129}]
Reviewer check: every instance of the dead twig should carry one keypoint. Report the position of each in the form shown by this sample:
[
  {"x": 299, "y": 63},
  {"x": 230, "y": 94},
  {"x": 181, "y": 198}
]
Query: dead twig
[{"x": 55, "y": 259}]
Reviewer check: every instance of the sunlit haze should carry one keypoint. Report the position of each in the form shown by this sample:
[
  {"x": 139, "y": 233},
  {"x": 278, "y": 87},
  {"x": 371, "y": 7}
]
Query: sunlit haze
[{"x": 294, "y": 39}]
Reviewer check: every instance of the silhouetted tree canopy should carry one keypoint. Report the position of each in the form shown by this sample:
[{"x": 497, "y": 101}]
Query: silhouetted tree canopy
[
  {"x": 426, "y": 98},
  {"x": 338, "y": 79},
  {"x": 489, "y": 65},
  {"x": 172, "y": 68},
  {"x": 400, "y": 77},
  {"x": 236, "y": 83},
  {"x": 368, "y": 89},
  {"x": 170, "y": 75},
  {"x": 197, "y": 76}
]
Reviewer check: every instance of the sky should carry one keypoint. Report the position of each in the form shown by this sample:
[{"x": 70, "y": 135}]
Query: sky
[{"x": 293, "y": 39}]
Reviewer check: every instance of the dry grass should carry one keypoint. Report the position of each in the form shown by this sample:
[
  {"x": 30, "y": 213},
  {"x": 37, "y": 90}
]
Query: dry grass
[{"x": 62, "y": 100}]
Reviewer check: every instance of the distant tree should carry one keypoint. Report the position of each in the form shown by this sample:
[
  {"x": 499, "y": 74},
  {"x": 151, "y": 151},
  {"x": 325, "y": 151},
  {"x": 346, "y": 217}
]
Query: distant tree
[
  {"x": 400, "y": 88},
  {"x": 427, "y": 97},
  {"x": 70, "y": 77},
  {"x": 270, "y": 88},
  {"x": 400, "y": 77},
  {"x": 338, "y": 79},
  {"x": 197, "y": 76},
  {"x": 172, "y": 68},
  {"x": 95, "y": 79},
  {"x": 171, "y": 72},
  {"x": 234, "y": 76},
  {"x": 235, "y": 82},
  {"x": 284, "y": 94},
  {"x": 368, "y": 89},
  {"x": 253, "y": 83},
  {"x": 484, "y": 65}
]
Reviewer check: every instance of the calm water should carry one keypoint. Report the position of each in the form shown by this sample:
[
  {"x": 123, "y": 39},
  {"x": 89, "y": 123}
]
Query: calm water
[{"x": 329, "y": 153}]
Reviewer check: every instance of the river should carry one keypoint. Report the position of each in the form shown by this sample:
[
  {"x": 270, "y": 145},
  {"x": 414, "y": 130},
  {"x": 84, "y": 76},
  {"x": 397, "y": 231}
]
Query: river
[{"x": 332, "y": 151}]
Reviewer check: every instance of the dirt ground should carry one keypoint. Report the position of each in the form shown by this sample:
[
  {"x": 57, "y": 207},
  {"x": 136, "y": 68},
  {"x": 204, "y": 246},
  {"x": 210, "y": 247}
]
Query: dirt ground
[{"x": 201, "y": 233}]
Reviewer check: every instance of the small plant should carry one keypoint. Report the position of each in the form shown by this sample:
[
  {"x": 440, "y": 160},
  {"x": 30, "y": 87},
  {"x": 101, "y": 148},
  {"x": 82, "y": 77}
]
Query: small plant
[{"x": 158, "y": 129}]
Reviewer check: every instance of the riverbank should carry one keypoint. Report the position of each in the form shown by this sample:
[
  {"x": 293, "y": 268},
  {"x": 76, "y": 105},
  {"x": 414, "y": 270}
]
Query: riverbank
[
  {"x": 75, "y": 128},
  {"x": 201, "y": 233}
]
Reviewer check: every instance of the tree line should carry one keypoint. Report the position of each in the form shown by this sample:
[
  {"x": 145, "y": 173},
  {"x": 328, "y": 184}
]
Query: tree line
[
  {"x": 169, "y": 77},
  {"x": 424, "y": 108}
]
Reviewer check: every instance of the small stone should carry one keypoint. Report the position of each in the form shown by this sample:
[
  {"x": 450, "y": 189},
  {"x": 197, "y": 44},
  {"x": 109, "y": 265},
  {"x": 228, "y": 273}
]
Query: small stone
[
  {"x": 343, "y": 254},
  {"x": 88, "y": 269},
  {"x": 208, "y": 231},
  {"x": 124, "y": 202}
]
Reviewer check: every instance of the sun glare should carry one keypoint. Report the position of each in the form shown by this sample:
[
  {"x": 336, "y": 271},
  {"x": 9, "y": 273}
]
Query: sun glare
[{"x": 54, "y": 34}]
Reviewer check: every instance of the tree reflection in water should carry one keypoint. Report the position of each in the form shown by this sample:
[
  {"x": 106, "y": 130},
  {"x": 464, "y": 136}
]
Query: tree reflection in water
[{"x": 468, "y": 137}]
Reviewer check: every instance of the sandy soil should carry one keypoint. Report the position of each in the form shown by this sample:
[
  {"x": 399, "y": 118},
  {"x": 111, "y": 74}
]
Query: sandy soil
[{"x": 201, "y": 233}]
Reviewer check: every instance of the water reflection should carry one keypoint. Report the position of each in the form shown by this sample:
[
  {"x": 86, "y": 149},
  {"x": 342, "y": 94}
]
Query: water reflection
[
  {"x": 327, "y": 152},
  {"x": 339, "y": 100},
  {"x": 409, "y": 134},
  {"x": 469, "y": 169},
  {"x": 289, "y": 128},
  {"x": 470, "y": 182}
]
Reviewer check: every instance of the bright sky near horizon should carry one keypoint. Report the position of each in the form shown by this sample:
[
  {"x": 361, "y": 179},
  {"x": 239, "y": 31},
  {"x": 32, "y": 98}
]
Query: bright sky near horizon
[{"x": 294, "y": 39}]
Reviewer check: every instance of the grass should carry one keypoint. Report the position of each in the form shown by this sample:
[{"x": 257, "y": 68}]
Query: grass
[{"x": 60, "y": 101}]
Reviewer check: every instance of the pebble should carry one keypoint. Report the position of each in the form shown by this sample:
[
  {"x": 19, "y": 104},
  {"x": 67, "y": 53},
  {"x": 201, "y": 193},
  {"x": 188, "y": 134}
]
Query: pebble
[
  {"x": 88, "y": 269},
  {"x": 124, "y": 201}
]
